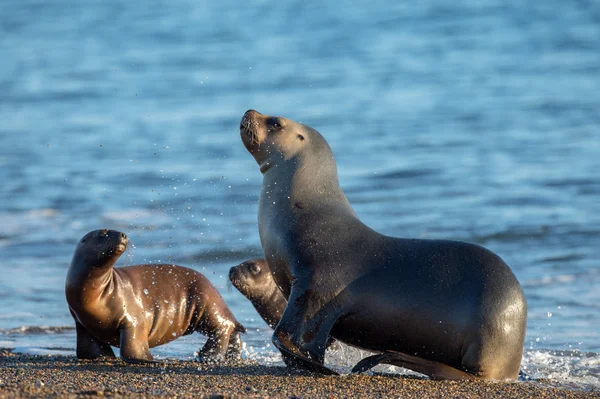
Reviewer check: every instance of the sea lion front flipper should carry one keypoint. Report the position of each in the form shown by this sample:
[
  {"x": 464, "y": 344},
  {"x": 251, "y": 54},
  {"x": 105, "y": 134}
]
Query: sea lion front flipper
[
  {"x": 89, "y": 347},
  {"x": 301, "y": 337},
  {"x": 294, "y": 359},
  {"x": 134, "y": 345},
  {"x": 435, "y": 370}
]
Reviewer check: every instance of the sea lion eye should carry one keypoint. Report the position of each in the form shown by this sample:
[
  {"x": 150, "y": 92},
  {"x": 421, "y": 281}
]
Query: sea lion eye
[
  {"x": 275, "y": 123},
  {"x": 254, "y": 268},
  {"x": 83, "y": 240},
  {"x": 300, "y": 137}
]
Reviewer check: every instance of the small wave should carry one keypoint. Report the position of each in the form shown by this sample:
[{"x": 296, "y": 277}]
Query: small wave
[
  {"x": 513, "y": 234},
  {"x": 139, "y": 216},
  {"x": 571, "y": 182},
  {"x": 47, "y": 213},
  {"x": 30, "y": 330},
  {"x": 549, "y": 280},
  {"x": 572, "y": 367},
  {"x": 14, "y": 224},
  {"x": 562, "y": 258},
  {"x": 30, "y": 350},
  {"x": 405, "y": 174}
]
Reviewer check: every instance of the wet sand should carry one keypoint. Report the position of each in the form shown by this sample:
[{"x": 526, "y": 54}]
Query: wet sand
[{"x": 64, "y": 376}]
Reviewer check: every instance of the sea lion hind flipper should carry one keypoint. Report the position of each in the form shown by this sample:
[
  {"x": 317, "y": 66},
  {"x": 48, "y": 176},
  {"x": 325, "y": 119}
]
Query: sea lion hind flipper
[
  {"x": 217, "y": 346},
  {"x": 234, "y": 349},
  {"x": 434, "y": 370},
  {"x": 369, "y": 362}
]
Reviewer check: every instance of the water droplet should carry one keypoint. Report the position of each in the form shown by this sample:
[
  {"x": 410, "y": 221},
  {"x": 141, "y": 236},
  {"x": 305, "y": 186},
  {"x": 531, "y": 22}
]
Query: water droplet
[
  {"x": 549, "y": 314},
  {"x": 145, "y": 291}
]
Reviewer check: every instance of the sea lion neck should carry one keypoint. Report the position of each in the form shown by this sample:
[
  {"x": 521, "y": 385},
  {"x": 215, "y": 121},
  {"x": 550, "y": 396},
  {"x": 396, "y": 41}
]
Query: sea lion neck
[
  {"x": 84, "y": 275},
  {"x": 264, "y": 292},
  {"x": 303, "y": 179}
]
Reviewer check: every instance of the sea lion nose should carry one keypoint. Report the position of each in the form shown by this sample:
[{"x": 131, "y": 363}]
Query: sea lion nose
[
  {"x": 248, "y": 117},
  {"x": 251, "y": 112},
  {"x": 233, "y": 274}
]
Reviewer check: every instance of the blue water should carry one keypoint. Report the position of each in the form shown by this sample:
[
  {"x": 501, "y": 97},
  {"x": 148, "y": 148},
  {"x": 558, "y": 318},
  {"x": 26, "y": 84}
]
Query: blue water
[{"x": 476, "y": 120}]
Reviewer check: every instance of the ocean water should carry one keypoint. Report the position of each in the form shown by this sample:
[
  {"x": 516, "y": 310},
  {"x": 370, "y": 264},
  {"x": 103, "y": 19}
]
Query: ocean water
[{"x": 476, "y": 120}]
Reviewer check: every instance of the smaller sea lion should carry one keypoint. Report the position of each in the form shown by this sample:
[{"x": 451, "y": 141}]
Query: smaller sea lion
[
  {"x": 136, "y": 308},
  {"x": 254, "y": 280}
]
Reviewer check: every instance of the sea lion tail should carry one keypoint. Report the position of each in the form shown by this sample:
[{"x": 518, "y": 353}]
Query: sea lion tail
[
  {"x": 239, "y": 327},
  {"x": 435, "y": 370}
]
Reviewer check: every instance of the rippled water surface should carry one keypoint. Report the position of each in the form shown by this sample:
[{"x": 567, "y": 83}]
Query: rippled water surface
[{"x": 476, "y": 120}]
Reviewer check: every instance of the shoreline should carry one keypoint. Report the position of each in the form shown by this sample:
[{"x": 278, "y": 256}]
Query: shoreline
[{"x": 65, "y": 376}]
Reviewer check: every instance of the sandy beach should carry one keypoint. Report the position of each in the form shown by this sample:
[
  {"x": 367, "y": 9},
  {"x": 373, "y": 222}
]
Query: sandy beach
[{"x": 65, "y": 376}]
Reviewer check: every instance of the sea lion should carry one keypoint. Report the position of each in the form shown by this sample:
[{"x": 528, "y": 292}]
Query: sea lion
[
  {"x": 254, "y": 280},
  {"x": 139, "y": 307},
  {"x": 453, "y": 309}
]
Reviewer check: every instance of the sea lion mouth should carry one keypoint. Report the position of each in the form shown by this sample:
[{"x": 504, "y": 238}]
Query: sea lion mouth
[
  {"x": 121, "y": 246},
  {"x": 233, "y": 278},
  {"x": 252, "y": 133},
  {"x": 236, "y": 279}
]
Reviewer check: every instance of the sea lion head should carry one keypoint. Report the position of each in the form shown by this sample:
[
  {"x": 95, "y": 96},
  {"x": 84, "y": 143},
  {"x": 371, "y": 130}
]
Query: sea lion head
[
  {"x": 100, "y": 247},
  {"x": 272, "y": 139},
  {"x": 251, "y": 278}
]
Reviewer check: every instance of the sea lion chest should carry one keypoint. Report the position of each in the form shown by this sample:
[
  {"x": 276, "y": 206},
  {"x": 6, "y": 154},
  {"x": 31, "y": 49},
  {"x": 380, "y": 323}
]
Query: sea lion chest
[{"x": 275, "y": 221}]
